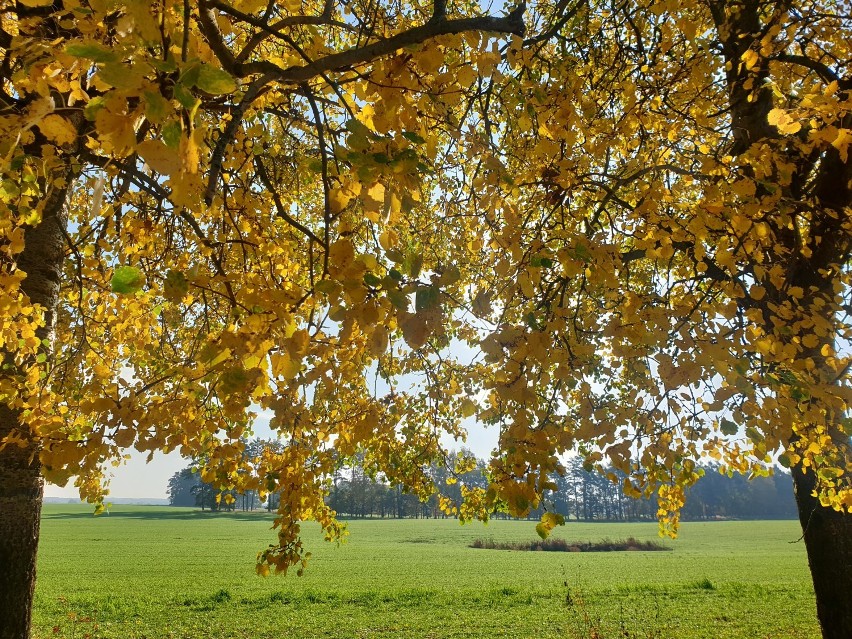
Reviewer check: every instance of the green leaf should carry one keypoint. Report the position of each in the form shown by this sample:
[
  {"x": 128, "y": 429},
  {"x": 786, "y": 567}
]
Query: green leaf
[
  {"x": 90, "y": 111},
  {"x": 166, "y": 66},
  {"x": 398, "y": 299},
  {"x": 120, "y": 76},
  {"x": 581, "y": 252},
  {"x": 754, "y": 435},
  {"x": 326, "y": 286},
  {"x": 189, "y": 74},
  {"x": 315, "y": 165},
  {"x": 357, "y": 127},
  {"x": 829, "y": 474},
  {"x": 413, "y": 264},
  {"x": 532, "y": 321},
  {"x": 370, "y": 279},
  {"x": 91, "y": 51},
  {"x": 395, "y": 256},
  {"x": 214, "y": 80},
  {"x": 127, "y": 280},
  {"x": 156, "y": 106},
  {"x": 170, "y": 133},
  {"x": 411, "y": 136},
  {"x": 728, "y": 427},
  {"x": 176, "y": 286},
  {"x": 184, "y": 96},
  {"x": 426, "y": 298},
  {"x": 18, "y": 162}
]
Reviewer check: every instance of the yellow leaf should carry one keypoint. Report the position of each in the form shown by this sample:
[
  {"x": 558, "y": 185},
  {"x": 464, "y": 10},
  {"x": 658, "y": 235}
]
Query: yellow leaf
[
  {"x": 124, "y": 437},
  {"x": 121, "y": 76},
  {"x": 214, "y": 356},
  {"x": 465, "y": 76},
  {"x": 340, "y": 255},
  {"x": 467, "y": 407},
  {"x": 388, "y": 239},
  {"x": 283, "y": 366},
  {"x": 750, "y": 58},
  {"x": 104, "y": 372},
  {"x": 374, "y": 201},
  {"x": 810, "y": 341},
  {"x": 430, "y": 58},
  {"x": 159, "y": 157},
  {"x": 339, "y": 198},
  {"x": 57, "y": 129},
  {"x": 782, "y": 121},
  {"x": 842, "y": 142},
  {"x": 189, "y": 154}
]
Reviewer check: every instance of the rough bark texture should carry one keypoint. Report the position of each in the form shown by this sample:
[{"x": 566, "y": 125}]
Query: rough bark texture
[
  {"x": 828, "y": 540},
  {"x": 20, "y": 503},
  {"x": 21, "y": 484}
]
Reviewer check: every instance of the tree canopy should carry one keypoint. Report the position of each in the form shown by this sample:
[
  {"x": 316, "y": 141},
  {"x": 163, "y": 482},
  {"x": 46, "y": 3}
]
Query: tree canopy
[{"x": 620, "y": 228}]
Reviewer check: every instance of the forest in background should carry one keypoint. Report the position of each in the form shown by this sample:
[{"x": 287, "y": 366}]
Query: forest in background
[{"x": 580, "y": 494}]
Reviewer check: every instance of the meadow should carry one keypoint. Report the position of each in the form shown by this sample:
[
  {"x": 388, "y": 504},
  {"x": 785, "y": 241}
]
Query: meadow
[{"x": 158, "y": 572}]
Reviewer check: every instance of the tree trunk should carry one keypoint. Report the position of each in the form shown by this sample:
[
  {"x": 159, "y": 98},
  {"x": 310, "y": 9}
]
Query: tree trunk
[
  {"x": 828, "y": 540},
  {"x": 20, "y": 509},
  {"x": 21, "y": 484}
]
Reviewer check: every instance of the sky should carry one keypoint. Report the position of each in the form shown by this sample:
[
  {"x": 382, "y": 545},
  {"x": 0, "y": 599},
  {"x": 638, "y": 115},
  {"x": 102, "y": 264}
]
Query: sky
[{"x": 138, "y": 480}]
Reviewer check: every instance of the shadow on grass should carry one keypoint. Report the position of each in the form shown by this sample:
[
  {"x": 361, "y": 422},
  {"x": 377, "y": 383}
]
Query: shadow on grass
[{"x": 157, "y": 513}]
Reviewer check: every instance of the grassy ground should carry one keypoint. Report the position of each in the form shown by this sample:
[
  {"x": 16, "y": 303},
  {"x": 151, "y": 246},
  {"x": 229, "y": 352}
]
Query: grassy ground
[{"x": 149, "y": 572}]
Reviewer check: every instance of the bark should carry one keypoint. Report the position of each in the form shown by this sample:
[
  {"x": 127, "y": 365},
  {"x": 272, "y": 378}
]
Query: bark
[
  {"x": 828, "y": 540},
  {"x": 21, "y": 484}
]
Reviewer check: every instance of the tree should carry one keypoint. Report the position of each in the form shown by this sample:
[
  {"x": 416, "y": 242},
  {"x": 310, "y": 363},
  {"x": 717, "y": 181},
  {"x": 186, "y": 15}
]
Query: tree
[
  {"x": 181, "y": 488},
  {"x": 672, "y": 263},
  {"x": 160, "y": 162},
  {"x": 636, "y": 213}
]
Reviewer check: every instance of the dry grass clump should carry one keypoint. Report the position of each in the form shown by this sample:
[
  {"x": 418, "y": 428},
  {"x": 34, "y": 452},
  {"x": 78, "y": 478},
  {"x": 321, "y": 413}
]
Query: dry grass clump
[{"x": 561, "y": 545}]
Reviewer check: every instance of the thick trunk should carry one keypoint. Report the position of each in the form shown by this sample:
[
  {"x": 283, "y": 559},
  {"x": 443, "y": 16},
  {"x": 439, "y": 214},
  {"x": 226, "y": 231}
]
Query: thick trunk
[
  {"x": 21, "y": 485},
  {"x": 20, "y": 506},
  {"x": 828, "y": 540}
]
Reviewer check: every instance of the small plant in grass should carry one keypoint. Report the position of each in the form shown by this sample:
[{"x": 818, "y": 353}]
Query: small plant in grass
[
  {"x": 561, "y": 545},
  {"x": 587, "y": 625},
  {"x": 705, "y": 584},
  {"x": 76, "y": 625}
]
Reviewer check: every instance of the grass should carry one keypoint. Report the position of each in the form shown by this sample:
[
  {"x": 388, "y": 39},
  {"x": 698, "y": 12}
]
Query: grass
[{"x": 149, "y": 572}]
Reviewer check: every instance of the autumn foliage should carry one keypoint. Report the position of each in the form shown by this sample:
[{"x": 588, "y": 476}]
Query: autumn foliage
[{"x": 620, "y": 229}]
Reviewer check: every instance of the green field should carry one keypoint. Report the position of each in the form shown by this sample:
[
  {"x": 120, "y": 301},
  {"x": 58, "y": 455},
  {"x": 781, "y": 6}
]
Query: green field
[{"x": 151, "y": 572}]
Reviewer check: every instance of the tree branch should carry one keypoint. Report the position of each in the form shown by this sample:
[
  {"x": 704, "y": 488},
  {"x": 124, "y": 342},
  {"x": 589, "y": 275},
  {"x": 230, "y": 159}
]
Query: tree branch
[
  {"x": 821, "y": 70},
  {"x": 254, "y": 90},
  {"x": 510, "y": 24},
  {"x": 279, "y": 205}
]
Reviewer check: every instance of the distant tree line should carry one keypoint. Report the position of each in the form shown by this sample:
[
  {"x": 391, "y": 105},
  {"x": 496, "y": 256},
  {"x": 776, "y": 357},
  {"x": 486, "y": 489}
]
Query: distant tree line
[
  {"x": 186, "y": 488},
  {"x": 580, "y": 494}
]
